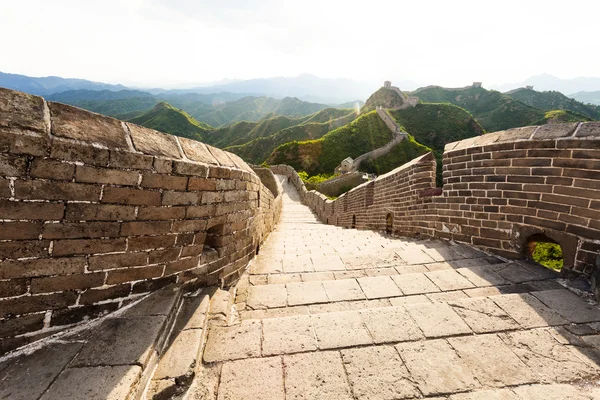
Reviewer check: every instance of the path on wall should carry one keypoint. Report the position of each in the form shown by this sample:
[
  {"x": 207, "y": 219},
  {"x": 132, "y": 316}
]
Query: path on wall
[{"x": 333, "y": 313}]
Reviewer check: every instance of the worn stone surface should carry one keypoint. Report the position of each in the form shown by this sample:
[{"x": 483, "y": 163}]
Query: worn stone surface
[
  {"x": 181, "y": 355},
  {"x": 288, "y": 335},
  {"x": 390, "y": 324},
  {"x": 415, "y": 284},
  {"x": 569, "y": 305},
  {"x": 379, "y": 286},
  {"x": 306, "y": 293},
  {"x": 483, "y": 315},
  {"x": 449, "y": 280},
  {"x": 343, "y": 329},
  {"x": 345, "y": 289},
  {"x": 267, "y": 296},
  {"x": 528, "y": 311},
  {"x": 153, "y": 142},
  {"x": 437, "y": 320},
  {"x": 259, "y": 378},
  {"x": 233, "y": 342}
]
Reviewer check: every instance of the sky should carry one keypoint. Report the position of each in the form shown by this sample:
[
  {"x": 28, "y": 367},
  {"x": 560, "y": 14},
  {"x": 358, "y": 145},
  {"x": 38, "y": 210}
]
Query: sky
[{"x": 174, "y": 43}]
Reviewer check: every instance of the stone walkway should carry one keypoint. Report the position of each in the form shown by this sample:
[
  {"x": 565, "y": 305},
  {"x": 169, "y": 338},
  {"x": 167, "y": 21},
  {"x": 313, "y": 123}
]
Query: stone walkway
[{"x": 332, "y": 313}]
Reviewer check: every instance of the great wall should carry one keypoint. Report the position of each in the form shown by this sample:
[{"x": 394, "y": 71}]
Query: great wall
[{"x": 135, "y": 264}]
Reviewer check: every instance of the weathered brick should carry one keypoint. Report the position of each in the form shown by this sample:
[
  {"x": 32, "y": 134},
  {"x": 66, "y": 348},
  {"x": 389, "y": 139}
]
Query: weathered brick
[
  {"x": 51, "y": 190},
  {"x": 202, "y": 184},
  {"x": 20, "y": 230},
  {"x": 124, "y": 159},
  {"x": 153, "y": 142},
  {"x": 65, "y": 150},
  {"x": 19, "y": 325},
  {"x": 576, "y": 163},
  {"x": 81, "y": 230},
  {"x": 96, "y": 212},
  {"x": 67, "y": 282},
  {"x": 185, "y": 239},
  {"x": 161, "y": 213},
  {"x": 163, "y": 256},
  {"x": 181, "y": 265},
  {"x": 212, "y": 197},
  {"x": 577, "y": 192},
  {"x": 574, "y": 201},
  {"x": 31, "y": 304},
  {"x": 22, "y": 210},
  {"x": 553, "y": 131},
  {"x": 188, "y": 226},
  {"x": 52, "y": 169},
  {"x": 190, "y": 251},
  {"x": 114, "y": 261},
  {"x": 13, "y": 287},
  {"x": 180, "y": 198},
  {"x": 24, "y": 248},
  {"x": 150, "y": 242},
  {"x": 162, "y": 181},
  {"x": 22, "y": 110},
  {"x": 593, "y": 234},
  {"x": 163, "y": 166},
  {"x": 218, "y": 172},
  {"x": 221, "y": 156},
  {"x": 134, "y": 274},
  {"x": 197, "y": 151},
  {"x": 77, "y": 314},
  {"x": 41, "y": 267},
  {"x": 145, "y": 228},
  {"x": 95, "y": 295},
  {"x": 11, "y": 165},
  {"x": 545, "y": 223},
  {"x": 130, "y": 196},
  {"x": 187, "y": 168},
  {"x": 201, "y": 211},
  {"x": 154, "y": 284},
  {"x": 90, "y": 246},
  {"x": 5, "y": 188},
  {"x": 109, "y": 176}
]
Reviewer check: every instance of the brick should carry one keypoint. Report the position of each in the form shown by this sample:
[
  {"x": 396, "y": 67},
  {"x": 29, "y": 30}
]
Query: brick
[
  {"x": 154, "y": 284},
  {"x": 580, "y": 173},
  {"x": 577, "y": 192},
  {"x": 52, "y": 169},
  {"x": 24, "y": 324},
  {"x": 24, "y": 248},
  {"x": 11, "y": 165},
  {"x": 150, "y": 242},
  {"x": 81, "y": 230},
  {"x": 162, "y": 181},
  {"x": 50, "y": 190},
  {"x": 74, "y": 123},
  {"x": 218, "y": 172},
  {"x": 212, "y": 197},
  {"x": 20, "y": 230},
  {"x": 163, "y": 166},
  {"x": 68, "y": 282},
  {"x": 180, "y": 198},
  {"x": 576, "y": 163},
  {"x": 31, "y": 304},
  {"x": 545, "y": 223},
  {"x": 123, "y": 159},
  {"x": 4, "y": 188},
  {"x": 41, "y": 267},
  {"x": 21, "y": 210},
  {"x": 188, "y": 226},
  {"x": 64, "y": 150},
  {"x": 574, "y": 201},
  {"x": 134, "y": 274},
  {"x": 145, "y": 228},
  {"x": 187, "y": 168},
  {"x": 90, "y": 246},
  {"x": 202, "y": 184},
  {"x": 152, "y": 142},
  {"x": 109, "y": 176},
  {"x": 114, "y": 261},
  {"x": 181, "y": 265},
  {"x": 163, "y": 256},
  {"x": 161, "y": 213},
  {"x": 77, "y": 314},
  {"x": 131, "y": 196},
  {"x": 190, "y": 251},
  {"x": 95, "y": 295},
  {"x": 95, "y": 212},
  {"x": 584, "y": 232},
  {"x": 22, "y": 110},
  {"x": 201, "y": 211},
  {"x": 13, "y": 287}
]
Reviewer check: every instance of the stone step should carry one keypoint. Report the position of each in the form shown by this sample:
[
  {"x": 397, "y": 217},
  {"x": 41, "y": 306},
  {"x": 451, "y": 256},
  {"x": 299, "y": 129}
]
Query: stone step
[
  {"x": 555, "y": 310},
  {"x": 177, "y": 366},
  {"x": 110, "y": 359}
]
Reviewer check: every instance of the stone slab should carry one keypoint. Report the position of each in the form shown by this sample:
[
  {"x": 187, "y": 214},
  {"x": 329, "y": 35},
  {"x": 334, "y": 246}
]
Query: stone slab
[
  {"x": 197, "y": 151},
  {"x": 152, "y": 142},
  {"x": 449, "y": 280},
  {"x": 569, "y": 305},
  {"x": 390, "y": 324},
  {"x": 161, "y": 302},
  {"x": 483, "y": 315},
  {"x": 181, "y": 355},
  {"x": 378, "y": 373},
  {"x": 267, "y": 296},
  {"x": 498, "y": 394},
  {"x": 415, "y": 284},
  {"x": 341, "y": 329},
  {"x": 297, "y": 264},
  {"x": 22, "y": 110},
  {"x": 300, "y": 293},
  {"x": 437, "y": 320},
  {"x": 556, "y": 392},
  {"x": 415, "y": 257},
  {"x": 95, "y": 383},
  {"x": 376, "y": 287},
  {"x": 256, "y": 378},
  {"x": 288, "y": 335},
  {"x": 233, "y": 342},
  {"x": 344, "y": 289},
  {"x": 319, "y": 375},
  {"x": 528, "y": 311},
  {"x": 482, "y": 276}
]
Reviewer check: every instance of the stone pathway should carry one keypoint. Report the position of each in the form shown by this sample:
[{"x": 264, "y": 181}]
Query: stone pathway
[{"x": 332, "y": 313}]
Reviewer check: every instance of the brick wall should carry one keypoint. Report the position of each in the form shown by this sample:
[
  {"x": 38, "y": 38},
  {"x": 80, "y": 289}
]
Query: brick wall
[
  {"x": 499, "y": 190},
  {"x": 95, "y": 212}
]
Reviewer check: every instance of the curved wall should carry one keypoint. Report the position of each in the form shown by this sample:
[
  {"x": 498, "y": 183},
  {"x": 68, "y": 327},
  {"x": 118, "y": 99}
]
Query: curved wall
[{"x": 95, "y": 212}]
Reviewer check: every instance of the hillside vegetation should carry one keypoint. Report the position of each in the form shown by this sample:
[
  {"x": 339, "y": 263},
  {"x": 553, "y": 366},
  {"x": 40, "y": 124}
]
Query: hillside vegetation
[
  {"x": 549, "y": 101},
  {"x": 166, "y": 118},
  {"x": 384, "y": 97},
  {"x": 587, "y": 97},
  {"x": 403, "y": 152},
  {"x": 560, "y": 116}
]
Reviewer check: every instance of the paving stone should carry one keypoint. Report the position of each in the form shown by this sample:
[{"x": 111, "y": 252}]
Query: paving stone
[
  {"x": 444, "y": 297},
  {"x": 283, "y": 278},
  {"x": 491, "y": 361},
  {"x": 266, "y": 265},
  {"x": 501, "y": 394},
  {"x": 547, "y": 358},
  {"x": 95, "y": 383},
  {"x": 378, "y": 373},
  {"x": 317, "y": 276},
  {"x": 556, "y": 392},
  {"x": 482, "y": 276},
  {"x": 436, "y": 368},
  {"x": 483, "y": 315},
  {"x": 295, "y": 265},
  {"x": 400, "y": 301},
  {"x": 569, "y": 305},
  {"x": 443, "y": 253},
  {"x": 233, "y": 342},
  {"x": 483, "y": 291},
  {"x": 449, "y": 280},
  {"x": 267, "y": 296},
  {"x": 415, "y": 257},
  {"x": 518, "y": 273},
  {"x": 181, "y": 355},
  {"x": 437, "y": 320},
  {"x": 27, "y": 377},
  {"x": 161, "y": 302},
  {"x": 288, "y": 335},
  {"x": 327, "y": 263},
  {"x": 349, "y": 274},
  {"x": 411, "y": 269},
  {"x": 319, "y": 375},
  {"x": 121, "y": 341},
  {"x": 344, "y": 289},
  {"x": 348, "y": 305},
  {"x": 415, "y": 284},
  {"x": 256, "y": 379},
  {"x": 387, "y": 271},
  {"x": 342, "y": 329},
  {"x": 528, "y": 311},
  {"x": 440, "y": 266},
  {"x": 306, "y": 293},
  {"x": 378, "y": 287},
  {"x": 390, "y": 324}
]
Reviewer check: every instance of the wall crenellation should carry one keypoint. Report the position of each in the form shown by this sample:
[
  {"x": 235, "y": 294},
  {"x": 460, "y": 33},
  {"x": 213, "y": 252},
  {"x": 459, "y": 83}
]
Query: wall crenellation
[{"x": 95, "y": 212}]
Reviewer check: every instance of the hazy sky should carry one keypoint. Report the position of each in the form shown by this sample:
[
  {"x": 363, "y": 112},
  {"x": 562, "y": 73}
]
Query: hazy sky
[{"x": 172, "y": 42}]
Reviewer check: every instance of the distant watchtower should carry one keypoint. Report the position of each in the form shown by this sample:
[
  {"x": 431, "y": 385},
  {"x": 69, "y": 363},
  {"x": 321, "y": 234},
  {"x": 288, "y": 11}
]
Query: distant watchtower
[
  {"x": 529, "y": 87},
  {"x": 476, "y": 84},
  {"x": 387, "y": 84}
]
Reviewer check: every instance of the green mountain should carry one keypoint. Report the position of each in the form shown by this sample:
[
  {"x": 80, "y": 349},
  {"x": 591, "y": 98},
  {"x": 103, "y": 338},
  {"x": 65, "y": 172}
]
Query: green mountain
[
  {"x": 560, "y": 116},
  {"x": 587, "y": 97},
  {"x": 166, "y": 118},
  {"x": 553, "y": 100},
  {"x": 403, "y": 152},
  {"x": 384, "y": 97},
  {"x": 494, "y": 110}
]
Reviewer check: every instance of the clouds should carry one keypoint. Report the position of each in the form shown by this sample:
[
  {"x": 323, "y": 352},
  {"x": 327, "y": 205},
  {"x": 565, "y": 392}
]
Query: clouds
[{"x": 170, "y": 42}]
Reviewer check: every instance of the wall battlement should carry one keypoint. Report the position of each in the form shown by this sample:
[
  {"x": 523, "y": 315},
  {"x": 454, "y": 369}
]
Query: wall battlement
[
  {"x": 499, "y": 190},
  {"x": 95, "y": 212}
]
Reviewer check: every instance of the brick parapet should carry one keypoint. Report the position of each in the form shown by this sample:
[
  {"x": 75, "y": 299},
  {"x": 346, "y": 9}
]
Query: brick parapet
[{"x": 95, "y": 212}]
